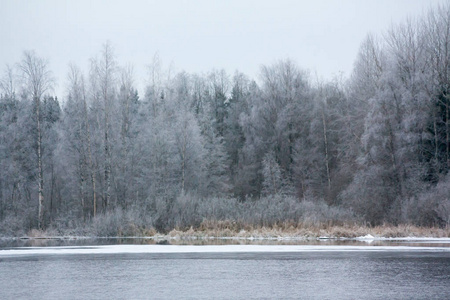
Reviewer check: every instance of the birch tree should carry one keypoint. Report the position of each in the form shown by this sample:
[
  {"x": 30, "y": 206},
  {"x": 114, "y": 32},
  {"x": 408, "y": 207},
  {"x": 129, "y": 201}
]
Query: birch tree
[
  {"x": 104, "y": 71},
  {"x": 77, "y": 141},
  {"x": 37, "y": 80},
  {"x": 128, "y": 101}
]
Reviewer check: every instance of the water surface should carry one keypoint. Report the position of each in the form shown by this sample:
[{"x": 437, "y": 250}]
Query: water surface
[{"x": 262, "y": 272}]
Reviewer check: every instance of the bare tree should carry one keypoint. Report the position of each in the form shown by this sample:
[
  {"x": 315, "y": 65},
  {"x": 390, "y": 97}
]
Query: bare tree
[
  {"x": 7, "y": 86},
  {"x": 105, "y": 76},
  {"x": 78, "y": 127},
  {"x": 37, "y": 80}
]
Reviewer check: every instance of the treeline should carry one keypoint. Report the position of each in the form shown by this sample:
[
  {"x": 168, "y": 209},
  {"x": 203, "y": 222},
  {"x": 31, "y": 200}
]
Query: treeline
[{"x": 373, "y": 148}]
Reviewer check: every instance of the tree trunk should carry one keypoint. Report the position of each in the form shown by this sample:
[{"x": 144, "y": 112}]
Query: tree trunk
[
  {"x": 107, "y": 169},
  {"x": 91, "y": 165},
  {"x": 82, "y": 192},
  {"x": 447, "y": 131},
  {"x": 325, "y": 138},
  {"x": 107, "y": 188},
  {"x": 52, "y": 192},
  {"x": 40, "y": 168},
  {"x": 436, "y": 147},
  {"x": 183, "y": 167}
]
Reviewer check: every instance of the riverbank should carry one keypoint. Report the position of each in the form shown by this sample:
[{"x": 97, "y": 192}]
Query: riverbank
[{"x": 286, "y": 231}]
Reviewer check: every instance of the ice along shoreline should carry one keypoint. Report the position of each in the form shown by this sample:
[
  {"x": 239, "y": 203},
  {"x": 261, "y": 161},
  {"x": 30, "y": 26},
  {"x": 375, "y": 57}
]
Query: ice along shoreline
[{"x": 180, "y": 249}]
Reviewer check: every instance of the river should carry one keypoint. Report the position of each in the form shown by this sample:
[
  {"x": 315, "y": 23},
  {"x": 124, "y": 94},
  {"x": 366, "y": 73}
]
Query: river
[{"x": 319, "y": 271}]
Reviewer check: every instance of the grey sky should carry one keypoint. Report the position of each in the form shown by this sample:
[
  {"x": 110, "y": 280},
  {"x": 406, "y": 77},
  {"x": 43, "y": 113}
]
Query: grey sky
[{"x": 322, "y": 36}]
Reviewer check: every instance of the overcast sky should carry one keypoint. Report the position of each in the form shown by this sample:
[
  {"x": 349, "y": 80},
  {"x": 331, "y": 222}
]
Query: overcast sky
[{"x": 322, "y": 36}]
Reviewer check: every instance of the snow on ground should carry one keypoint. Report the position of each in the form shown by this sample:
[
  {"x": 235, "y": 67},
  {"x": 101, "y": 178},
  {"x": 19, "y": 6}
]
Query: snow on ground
[
  {"x": 366, "y": 237},
  {"x": 135, "y": 249},
  {"x": 406, "y": 239}
]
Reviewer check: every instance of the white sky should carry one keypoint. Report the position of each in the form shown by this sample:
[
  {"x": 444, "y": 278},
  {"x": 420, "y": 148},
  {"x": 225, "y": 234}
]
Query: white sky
[{"x": 197, "y": 36}]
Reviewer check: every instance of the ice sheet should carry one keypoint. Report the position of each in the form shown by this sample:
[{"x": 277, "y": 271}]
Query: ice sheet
[{"x": 122, "y": 249}]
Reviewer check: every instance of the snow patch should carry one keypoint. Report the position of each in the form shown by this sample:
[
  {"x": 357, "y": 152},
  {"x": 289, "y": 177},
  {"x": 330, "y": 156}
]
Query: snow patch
[{"x": 366, "y": 237}]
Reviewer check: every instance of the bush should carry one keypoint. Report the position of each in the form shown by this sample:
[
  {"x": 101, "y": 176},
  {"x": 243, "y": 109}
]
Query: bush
[
  {"x": 190, "y": 211},
  {"x": 118, "y": 222},
  {"x": 431, "y": 208}
]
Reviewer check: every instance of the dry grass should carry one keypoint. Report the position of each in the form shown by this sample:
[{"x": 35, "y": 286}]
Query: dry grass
[
  {"x": 302, "y": 231},
  {"x": 42, "y": 234},
  {"x": 289, "y": 230}
]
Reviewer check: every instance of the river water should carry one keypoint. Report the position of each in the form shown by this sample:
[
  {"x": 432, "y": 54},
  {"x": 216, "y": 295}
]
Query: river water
[{"x": 321, "y": 271}]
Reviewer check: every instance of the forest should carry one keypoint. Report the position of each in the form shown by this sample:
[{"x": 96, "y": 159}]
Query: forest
[{"x": 373, "y": 148}]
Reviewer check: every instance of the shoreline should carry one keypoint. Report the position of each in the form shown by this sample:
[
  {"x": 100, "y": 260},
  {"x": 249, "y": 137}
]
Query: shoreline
[
  {"x": 160, "y": 238},
  {"x": 285, "y": 232}
]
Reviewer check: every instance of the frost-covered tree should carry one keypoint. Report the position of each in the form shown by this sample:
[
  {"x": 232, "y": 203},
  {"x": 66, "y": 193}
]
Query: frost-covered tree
[
  {"x": 37, "y": 80},
  {"x": 273, "y": 180},
  {"x": 127, "y": 168},
  {"x": 76, "y": 145},
  {"x": 104, "y": 79}
]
